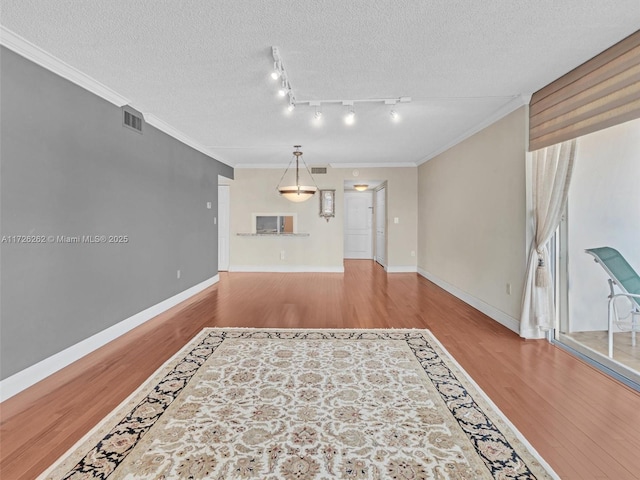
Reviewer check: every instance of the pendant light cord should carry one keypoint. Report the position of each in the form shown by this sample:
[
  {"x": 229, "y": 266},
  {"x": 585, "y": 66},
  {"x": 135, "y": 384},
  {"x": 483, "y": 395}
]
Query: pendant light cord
[{"x": 297, "y": 174}]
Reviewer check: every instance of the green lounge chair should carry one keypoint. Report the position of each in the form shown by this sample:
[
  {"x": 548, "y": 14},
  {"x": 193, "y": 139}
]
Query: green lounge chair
[{"x": 628, "y": 282}]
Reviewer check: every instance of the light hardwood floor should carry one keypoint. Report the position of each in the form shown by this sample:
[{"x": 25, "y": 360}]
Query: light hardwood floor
[{"x": 585, "y": 424}]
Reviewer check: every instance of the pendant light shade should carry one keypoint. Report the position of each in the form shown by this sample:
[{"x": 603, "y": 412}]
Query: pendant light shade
[{"x": 297, "y": 192}]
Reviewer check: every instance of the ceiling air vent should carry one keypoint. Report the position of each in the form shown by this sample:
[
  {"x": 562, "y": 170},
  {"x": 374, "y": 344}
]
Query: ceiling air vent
[
  {"x": 132, "y": 119},
  {"x": 318, "y": 170}
]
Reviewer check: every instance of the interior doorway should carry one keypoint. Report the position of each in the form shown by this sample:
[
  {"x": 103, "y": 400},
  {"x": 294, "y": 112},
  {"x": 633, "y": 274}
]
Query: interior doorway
[
  {"x": 358, "y": 224},
  {"x": 381, "y": 225},
  {"x": 224, "y": 201},
  {"x": 360, "y": 221}
]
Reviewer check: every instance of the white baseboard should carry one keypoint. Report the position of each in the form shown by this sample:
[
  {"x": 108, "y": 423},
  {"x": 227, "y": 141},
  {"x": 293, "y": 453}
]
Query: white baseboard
[
  {"x": 285, "y": 269},
  {"x": 17, "y": 382},
  {"x": 402, "y": 269},
  {"x": 489, "y": 310}
]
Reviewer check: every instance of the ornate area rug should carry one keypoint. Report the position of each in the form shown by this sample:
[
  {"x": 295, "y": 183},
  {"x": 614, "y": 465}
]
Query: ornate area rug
[{"x": 306, "y": 404}]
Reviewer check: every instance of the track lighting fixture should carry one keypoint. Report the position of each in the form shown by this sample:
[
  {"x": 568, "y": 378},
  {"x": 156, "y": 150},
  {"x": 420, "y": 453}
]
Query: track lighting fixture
[
  {"x": 276, "y": 71},
  {"x": 350, "y": 118},
  {"x": 285, "y": 89}
]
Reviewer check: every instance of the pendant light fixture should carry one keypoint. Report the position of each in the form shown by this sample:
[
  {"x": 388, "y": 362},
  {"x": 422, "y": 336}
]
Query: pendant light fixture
[{"x": 297, "y": 192}]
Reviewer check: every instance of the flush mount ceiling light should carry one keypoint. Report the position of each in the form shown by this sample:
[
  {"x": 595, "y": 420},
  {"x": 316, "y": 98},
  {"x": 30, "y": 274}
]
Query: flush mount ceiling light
[
  {"x": 361, "y": 187},
  {"x": 297, "y": 192}
]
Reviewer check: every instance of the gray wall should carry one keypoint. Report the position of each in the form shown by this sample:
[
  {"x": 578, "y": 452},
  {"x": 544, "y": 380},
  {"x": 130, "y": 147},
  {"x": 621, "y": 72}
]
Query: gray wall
[{"x": 68, "y": 167}]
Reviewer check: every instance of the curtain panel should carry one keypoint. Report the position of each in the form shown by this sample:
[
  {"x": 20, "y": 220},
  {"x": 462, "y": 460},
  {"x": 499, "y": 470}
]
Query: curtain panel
[{"x": 552, "y": 168}]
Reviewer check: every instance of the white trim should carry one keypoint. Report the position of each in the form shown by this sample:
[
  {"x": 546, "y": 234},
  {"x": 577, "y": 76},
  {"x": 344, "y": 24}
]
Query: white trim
[
  {"x": 489, "y": 310},
  {"x": 46, "y": 60},
  {"x": 29, "y": 376},
  {"x": 37, "y": 55},
  {"x": 511, "y": 106},
  {"x": 285, "y": 269},
  {"x": 265, "y": 166},
  {"x": 374, "y": 165},
  {"x": 402, "y": 269},
  {"x": 331, "y": 165},
  {"x": 163, "y": 126}
]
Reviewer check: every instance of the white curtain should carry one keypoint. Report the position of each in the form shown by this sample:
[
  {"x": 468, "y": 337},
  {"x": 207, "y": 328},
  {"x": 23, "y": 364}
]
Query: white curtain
[{"x": 552, "y": 168}]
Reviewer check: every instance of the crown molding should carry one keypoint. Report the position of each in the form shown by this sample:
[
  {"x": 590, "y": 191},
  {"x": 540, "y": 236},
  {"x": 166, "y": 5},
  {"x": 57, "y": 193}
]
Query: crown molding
[
  {"x": 40, "y": 57},
  {"x": 264, "y": 166},
  {"x": 241, "y": 166},
  {"x": 374, "y": 165},
  {"x": 163, "y": 126},
  {"x": 37, "y": 55},
  {"x": 511, "y": 106}
]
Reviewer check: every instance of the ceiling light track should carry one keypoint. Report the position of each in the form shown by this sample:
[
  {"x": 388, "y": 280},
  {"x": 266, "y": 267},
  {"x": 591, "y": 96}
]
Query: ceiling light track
[{"x": 386, "y": 101}]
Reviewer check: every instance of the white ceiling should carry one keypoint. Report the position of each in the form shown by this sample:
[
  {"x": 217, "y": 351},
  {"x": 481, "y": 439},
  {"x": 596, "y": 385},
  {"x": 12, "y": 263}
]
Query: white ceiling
[{"x": 203, "y": 66}]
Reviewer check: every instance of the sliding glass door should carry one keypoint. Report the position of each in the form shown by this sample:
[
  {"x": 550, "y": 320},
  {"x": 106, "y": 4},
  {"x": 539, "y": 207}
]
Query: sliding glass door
[{"x": 603, "y": 210}]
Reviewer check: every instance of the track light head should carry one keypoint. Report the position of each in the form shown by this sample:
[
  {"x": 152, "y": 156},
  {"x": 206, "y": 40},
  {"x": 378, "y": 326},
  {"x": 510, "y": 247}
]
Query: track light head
[
  {"x": 350, "y": 118},
  {"x": 277, "y": 70}
]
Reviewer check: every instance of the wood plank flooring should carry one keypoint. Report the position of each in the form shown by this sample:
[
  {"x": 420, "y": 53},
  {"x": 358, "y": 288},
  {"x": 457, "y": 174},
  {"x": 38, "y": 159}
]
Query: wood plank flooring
[{"x": 585, "y": 424}]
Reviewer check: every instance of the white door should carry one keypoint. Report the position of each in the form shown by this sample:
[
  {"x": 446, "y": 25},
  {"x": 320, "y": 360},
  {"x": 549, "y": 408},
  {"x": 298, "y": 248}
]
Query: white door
[
  {"x": 381, "y": 226},
  {"x": 358, "y": 224},
  {"x": 223, "y": 227}
]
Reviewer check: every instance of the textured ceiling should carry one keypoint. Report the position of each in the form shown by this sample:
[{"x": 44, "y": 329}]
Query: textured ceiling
[{"x": 203, "y": 66}]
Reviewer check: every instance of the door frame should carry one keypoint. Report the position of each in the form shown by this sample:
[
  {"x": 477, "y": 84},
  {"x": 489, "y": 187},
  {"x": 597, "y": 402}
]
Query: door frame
[
  {"x": 382, "y": 186},
  {"x": 224, "y": 227}
]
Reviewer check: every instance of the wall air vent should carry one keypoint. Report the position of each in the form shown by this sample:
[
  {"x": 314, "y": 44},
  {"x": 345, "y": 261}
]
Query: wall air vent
[
  {"x": 318, "y": 170},
  {"x": 132, "y": 119}
]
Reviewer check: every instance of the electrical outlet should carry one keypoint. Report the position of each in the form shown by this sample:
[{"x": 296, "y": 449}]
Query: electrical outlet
[
  {"x": 508, "y": 289},
  {"x": 413, "y": 253},
  {"x": 209, "y": 205},
  {"x": 396, "y": 220},
  {"x": 178, "y": 274},
  {"x": 281, "y": 254}
]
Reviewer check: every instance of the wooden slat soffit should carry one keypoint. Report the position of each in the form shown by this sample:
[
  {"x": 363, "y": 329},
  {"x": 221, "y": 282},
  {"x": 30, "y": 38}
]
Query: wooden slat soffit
[{"x": 600, "y": 93}]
